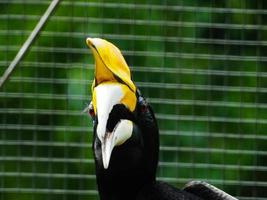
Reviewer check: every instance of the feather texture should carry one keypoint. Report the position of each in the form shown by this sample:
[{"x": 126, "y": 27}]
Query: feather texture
[
  {"x": 163, "y": 191},
  {"x": 207, "y": 191}
]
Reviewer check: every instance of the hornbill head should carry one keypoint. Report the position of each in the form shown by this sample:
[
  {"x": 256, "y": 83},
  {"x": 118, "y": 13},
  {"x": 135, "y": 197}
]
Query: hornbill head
[{"x": 125, "y": 129}]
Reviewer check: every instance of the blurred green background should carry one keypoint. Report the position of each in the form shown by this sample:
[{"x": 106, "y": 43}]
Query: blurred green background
[{"x": 201, "y": 64}]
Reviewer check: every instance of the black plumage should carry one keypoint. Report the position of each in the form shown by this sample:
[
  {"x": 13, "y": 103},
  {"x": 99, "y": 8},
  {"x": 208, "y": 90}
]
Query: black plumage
[
  {"x": 206, "y": 191},
  {"x": 162, "y": 191},
  {"x": 132, "y": 171},
  {"x": 133, "y": 164},
  {"x": 126, "y": 137}
]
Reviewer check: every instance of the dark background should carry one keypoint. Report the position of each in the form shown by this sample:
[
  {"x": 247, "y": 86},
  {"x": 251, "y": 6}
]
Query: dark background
[{"x": 201, "y": 64}]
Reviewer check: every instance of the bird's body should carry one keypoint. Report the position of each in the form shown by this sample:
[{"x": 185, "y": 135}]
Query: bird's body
[
  {"x": 163, "y": 191},
  {"x": 126, "y": 136},
  {"x": 129, "y": 169}
]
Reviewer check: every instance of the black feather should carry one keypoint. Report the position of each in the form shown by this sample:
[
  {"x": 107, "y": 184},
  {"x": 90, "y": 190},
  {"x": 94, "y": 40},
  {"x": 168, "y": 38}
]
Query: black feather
[
  {"x": 207, "y": 191},
  {"x": 163, "y": 191},
  {"x": 131, "y": 174}
]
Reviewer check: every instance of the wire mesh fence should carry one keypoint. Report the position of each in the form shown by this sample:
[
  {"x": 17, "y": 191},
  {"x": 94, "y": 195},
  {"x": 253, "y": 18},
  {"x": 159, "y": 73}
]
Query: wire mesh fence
[{"x": 201, "y": 64}]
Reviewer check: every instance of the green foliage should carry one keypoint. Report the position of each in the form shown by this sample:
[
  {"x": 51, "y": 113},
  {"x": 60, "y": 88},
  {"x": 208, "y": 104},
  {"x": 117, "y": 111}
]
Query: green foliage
[{"x": 201, "y": 64}]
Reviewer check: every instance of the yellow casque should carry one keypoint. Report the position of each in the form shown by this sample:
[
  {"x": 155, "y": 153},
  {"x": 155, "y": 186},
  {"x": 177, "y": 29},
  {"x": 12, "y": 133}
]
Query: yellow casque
[{"x": 110, "y": 68}]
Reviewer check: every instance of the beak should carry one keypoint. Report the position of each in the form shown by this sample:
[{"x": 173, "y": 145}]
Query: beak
[
  {"x": 105, "y": 96},
  {"x": 112, "y": 85},
  {"x": 122, "y": 132},
  {"x": 89, "y": 42}
]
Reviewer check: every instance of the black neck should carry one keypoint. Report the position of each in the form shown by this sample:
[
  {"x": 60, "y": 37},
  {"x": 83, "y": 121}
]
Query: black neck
[{"x": 122, "y": 186}]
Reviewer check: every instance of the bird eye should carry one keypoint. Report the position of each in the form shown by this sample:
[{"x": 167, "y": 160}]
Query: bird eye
[{"x": 91, "y": 110}]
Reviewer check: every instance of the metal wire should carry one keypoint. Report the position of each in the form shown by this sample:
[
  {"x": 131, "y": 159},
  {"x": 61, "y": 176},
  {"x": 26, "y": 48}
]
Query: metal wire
[
  {"x": 202, "y": 66},
  {"x": 28, "y": 42}
]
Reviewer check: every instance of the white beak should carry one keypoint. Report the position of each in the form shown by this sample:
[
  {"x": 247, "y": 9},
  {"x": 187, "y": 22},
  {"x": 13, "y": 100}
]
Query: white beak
[
  {"x": 122, "y": 132},
  {"x": 106, "y": 96}
]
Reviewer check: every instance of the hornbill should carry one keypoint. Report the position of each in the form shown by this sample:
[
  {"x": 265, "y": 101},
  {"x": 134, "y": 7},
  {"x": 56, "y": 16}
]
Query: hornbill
[{"x": 126, "y": 136}]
